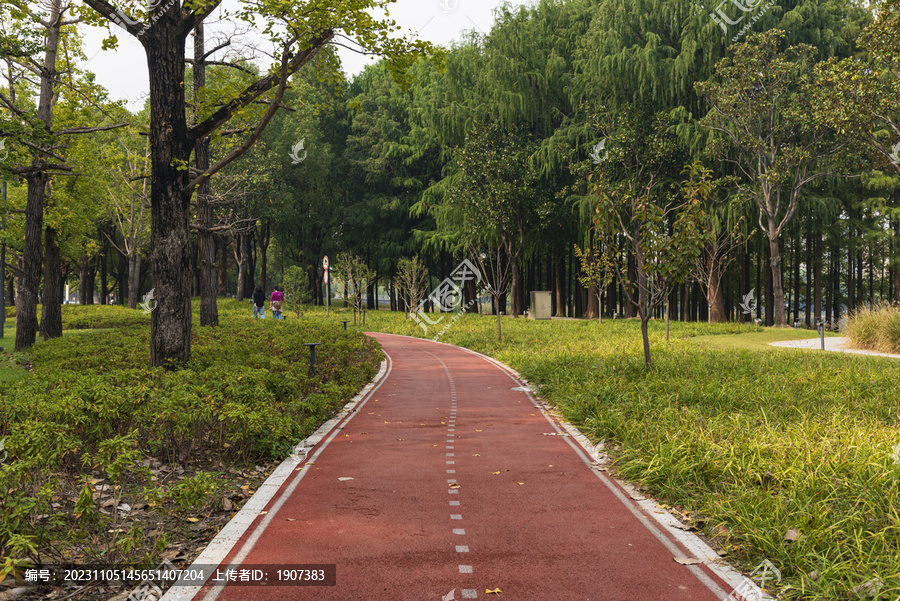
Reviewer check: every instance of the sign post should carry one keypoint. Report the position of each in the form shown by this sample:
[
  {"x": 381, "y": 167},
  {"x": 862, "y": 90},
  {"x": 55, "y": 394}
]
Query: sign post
[{"x": 327, "y": 285}]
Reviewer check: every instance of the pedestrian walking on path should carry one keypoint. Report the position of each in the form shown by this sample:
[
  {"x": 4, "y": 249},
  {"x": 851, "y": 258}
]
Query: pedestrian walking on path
[
  {"x": 259, "y": 303},
  {"x": 275, "y": 303},
  {"x": 448, "y": 480}
]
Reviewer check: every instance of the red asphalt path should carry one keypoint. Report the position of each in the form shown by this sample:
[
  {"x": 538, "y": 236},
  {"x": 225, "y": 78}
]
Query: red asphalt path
[{"x": 427, "y": 514}]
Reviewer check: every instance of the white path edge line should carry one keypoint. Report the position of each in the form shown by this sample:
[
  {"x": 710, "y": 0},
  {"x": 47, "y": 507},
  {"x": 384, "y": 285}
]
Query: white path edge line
[
  {"x": 665, "y": 520},
  {"x": 231, "y": 534}
]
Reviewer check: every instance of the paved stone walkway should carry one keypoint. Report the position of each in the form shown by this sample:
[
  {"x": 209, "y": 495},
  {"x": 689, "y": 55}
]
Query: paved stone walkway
[{"x": 837, "y": 344}]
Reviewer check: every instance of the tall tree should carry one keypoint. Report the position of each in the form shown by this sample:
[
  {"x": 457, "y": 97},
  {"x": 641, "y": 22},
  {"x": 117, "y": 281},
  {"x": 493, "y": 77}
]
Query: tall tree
[
  {"x": 297, "y": 31},
  {"x": 764, "y": 104}
]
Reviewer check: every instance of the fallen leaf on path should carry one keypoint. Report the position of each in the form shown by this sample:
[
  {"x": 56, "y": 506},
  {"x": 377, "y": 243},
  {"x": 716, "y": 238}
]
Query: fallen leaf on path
[
  {"x": 476, "y": 455},
  {"x": 454, "y": 485},
  {"x": 434, "y": 445},
  {"x": 495, "y": 473},
  {"x": 521, "y": 483},
  {"x": 637, "y": 496},
  {"x": 290, "y": 519},
  {"x": 688, "y": 561},
  {"x": 478, "y": 430},
  {"x": 345, "y": 435},
  {"x": 496, "y": 591},
  {"x": 193, "y": 519},
  {"x": 344, "y": 479}
]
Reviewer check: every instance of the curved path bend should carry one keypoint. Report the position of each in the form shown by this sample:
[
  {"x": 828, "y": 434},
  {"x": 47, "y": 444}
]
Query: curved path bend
[{"x": 448, "y": 481}]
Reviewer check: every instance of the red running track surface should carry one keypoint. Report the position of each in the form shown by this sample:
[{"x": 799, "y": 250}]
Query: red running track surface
[{"x": 456, "y": 489}]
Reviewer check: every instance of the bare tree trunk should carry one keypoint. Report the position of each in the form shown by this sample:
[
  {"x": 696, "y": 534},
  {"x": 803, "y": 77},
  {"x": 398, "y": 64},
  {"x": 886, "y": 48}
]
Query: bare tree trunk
[
  {"x": 26, "y": 306},
  {"x": 170, "y": 150},
  {"x": 222, "y": 289},
  {"x": 51, "y": 308},
  {"x": 264, "y": 236},
  {"x": 714, "y": 296},
  {"x": 27, "y": 288},
  {"x": 134, "y": 279},
  {"x": 206, "y": 244},
  {"x": 559, "y": 268},
  {"x": 241, "y": 258},
  {"x": 515, "y": 304}
]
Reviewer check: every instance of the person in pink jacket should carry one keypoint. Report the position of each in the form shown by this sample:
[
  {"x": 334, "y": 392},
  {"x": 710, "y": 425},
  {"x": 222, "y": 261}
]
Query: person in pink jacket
[{"x": 275, "y": 302}]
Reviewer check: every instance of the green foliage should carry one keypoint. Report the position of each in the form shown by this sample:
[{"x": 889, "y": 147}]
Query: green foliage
[
  {"x": 89, "y": 404},
  {"x": 197, "y": 492},
  {"x": 875, "y": 328},
  {"x": 296, "y": 289},
  {"x": 355, "y": 275}
]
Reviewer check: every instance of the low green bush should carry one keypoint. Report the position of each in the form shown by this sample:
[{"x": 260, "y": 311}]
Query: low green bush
[
  {"x": 92, "y": 405},
  {"x": 875, "y": 328}
]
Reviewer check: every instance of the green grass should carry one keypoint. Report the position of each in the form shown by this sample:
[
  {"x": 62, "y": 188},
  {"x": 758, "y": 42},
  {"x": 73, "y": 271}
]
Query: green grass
[
  {"x": 750, "y": 440},
  {"x": 875, "y": 328},
  {"x": 11, "y": 369},
  {"x": 91, "y": 410}
]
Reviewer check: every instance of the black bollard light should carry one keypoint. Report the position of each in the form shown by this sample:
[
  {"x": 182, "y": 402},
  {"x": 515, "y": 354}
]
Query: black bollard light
[
  {"x": 345, "y": 322},
  {"x": 312, "y": 356}
]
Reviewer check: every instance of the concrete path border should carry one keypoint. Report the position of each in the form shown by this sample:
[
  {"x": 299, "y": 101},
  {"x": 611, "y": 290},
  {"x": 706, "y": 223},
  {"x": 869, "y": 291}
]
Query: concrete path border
[{"x": 838, "y": 344}]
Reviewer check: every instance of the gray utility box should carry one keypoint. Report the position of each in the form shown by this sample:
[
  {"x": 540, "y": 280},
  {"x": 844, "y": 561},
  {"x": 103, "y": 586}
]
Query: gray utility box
[{"x": 540, "y": 305}]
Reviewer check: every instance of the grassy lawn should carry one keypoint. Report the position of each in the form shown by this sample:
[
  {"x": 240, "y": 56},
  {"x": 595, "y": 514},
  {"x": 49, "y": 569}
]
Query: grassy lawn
[
  {"x": 11, "y": 369},
  {"x": 749, "y": 441}
]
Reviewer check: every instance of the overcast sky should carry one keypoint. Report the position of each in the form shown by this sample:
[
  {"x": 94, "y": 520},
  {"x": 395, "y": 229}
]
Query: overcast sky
[{"x": 123, "y": 72}]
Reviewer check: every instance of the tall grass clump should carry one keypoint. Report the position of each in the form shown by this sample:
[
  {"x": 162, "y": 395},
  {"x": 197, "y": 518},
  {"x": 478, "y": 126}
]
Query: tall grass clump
[{"x": 875, "y": 328}]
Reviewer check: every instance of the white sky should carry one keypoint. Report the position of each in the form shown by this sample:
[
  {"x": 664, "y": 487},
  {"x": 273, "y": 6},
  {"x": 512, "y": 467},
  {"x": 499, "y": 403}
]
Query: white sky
[{"x": 123, "y": 72}]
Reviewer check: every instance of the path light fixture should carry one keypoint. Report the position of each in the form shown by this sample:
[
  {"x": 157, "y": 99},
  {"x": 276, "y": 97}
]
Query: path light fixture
[
  {"x": 822, "y": 333},
  {"x": 312, "y": 356},
  {"x": 345, "y": 324}
]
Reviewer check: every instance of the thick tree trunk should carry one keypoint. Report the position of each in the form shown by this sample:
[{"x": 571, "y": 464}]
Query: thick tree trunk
[
  {"x": 10, "y": 291},
  {"x": 134, "y": 279},
  {"x": 170, "y": 150},
  {"x": 263, "y": 255},
  {"x": 26, "y": 307},
  {"x": 714, "y": 295},
  {"x": 86, "y": 278},
  {"x": 51, "y": 308},
  {"x": 104, "y": 270},
  {"x": 27, "y": 298},
  {"x": 222, "y": 289},
  {"x": 206, "y": 245}
]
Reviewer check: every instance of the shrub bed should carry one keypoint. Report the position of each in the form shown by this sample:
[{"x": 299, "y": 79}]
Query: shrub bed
[
  {"x": 92, "y": 429},
  {"x": 875, "y": 328}
]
